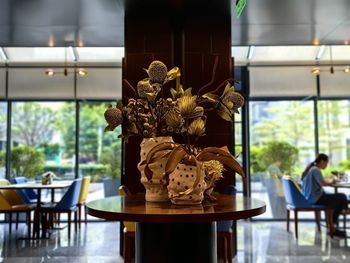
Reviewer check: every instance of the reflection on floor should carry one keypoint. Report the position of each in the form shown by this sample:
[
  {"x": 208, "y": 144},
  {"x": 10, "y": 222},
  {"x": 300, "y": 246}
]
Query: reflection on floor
[{"x": 258, "y": 242}]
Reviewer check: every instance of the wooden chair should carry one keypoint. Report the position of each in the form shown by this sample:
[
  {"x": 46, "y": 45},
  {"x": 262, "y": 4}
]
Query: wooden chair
[
  {"x": 85, "y": 184},
  {"x": 128, "y": 232},
  {"x": 296, "y": 202}
]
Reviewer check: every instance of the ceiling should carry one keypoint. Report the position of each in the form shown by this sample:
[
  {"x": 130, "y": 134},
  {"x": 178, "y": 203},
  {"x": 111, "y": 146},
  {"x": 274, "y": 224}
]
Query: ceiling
[{"x": 100, "y": 23}]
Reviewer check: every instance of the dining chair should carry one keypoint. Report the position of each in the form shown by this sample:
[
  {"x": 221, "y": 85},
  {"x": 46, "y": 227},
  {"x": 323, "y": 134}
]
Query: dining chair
[
  {"x": 9, "y": 206},
  {"x": 296, "y": 202},
  {"x": 29, "y": 196},
  {"x": 224, "y": 231},
  {"x": 85, "y": 184},
  {"x": 128, "y": 232},
  {"x": 67, "y": 204},
  {"x": 12, "y": 197}
]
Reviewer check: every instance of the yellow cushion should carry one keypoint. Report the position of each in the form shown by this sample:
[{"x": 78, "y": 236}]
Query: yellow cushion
[
  {"x": 85, "y": 184},
  {"x": 10, "y": 194},
  {"x": 288, "y": 177}
]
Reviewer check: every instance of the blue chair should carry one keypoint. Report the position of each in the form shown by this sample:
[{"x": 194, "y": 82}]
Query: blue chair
[
  {"x": 297, "y": 202},
  {"x": 67, "y": 204},
  {"x": 29, "y": 196},
  {"x": 224, "y": 230}
]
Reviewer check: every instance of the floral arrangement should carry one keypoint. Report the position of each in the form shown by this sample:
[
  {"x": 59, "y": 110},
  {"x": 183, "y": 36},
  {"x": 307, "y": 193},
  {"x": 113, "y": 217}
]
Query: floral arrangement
[
  {"x": 47, "y": 177},
  {"x": 149, "y": 114}
]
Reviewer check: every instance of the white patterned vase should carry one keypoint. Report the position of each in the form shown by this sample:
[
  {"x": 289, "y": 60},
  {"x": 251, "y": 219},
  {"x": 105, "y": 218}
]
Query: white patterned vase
[
  {"x": 182, "y": 179},
  {"x": 156, "y": 190}
]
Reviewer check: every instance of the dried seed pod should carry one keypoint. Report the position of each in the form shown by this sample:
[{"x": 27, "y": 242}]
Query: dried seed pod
[
  {"x": 144, "y": 87},
  {"x": 157, "y": 71},
  {"x": 113, "y": 117}
]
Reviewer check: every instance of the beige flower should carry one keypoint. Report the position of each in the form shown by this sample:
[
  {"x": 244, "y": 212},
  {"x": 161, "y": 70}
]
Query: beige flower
[
  {"x": 173, "y": 118},
  {"x": 214, "y": 169},
  {"x": 197, "y": 127},
  {"x": 187, "y": 105}
]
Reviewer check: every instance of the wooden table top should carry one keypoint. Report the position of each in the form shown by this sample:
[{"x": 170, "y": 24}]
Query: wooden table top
[{"x": 135, "y": 208}]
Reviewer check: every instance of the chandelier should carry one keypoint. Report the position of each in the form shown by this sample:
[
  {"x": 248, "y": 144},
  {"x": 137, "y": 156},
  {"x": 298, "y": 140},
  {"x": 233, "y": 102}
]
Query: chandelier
[
  {"x": 66, "y": 70},
  {"x": 317, "y": 70}
]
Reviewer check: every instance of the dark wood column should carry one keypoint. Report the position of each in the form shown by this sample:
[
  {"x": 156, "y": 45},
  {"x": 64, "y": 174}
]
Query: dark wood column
[{"x": 189, "y": 34}]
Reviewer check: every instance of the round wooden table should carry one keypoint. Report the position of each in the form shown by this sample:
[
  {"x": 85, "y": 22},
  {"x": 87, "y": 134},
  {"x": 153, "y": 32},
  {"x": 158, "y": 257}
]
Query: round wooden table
[{"x": 173, "y": 233}]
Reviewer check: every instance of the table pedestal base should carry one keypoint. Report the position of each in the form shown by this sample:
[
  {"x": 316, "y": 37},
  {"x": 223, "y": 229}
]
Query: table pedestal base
[{"x": 174, "y": 243}]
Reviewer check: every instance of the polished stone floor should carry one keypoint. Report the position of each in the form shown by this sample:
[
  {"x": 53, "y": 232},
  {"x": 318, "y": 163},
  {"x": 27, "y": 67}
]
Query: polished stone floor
[{"x": 258, "y": 242}]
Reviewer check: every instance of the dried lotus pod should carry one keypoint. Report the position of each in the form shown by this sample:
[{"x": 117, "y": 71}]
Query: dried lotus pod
[
  {"x": 144, "y": 87},
  {"x": 113, "y": 117},
  {"x": 157, "y": 71}
]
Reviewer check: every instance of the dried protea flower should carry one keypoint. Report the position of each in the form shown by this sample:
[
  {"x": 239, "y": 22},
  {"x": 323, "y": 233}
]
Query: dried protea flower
[
  {"x": 187, "y": 105},
  {"x": 144, "y": 87},
  {"x": 157, "y": 71},
  {"x": 197, "y": 127},
  {"x": 173, "y": 118},
  {"x": 214, "y": 170},
  {"x": 113, "y": 117}
]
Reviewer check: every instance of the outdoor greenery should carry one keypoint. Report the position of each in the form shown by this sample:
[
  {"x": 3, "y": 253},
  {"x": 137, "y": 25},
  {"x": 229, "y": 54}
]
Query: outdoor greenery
[
  {"x": 274, "y": 151},
  {"x": 293, "y": 122},
  {"x": 43, "y": 134},
  {"x": 51, "y": 132},
  {"x": 26, "y": 161}
]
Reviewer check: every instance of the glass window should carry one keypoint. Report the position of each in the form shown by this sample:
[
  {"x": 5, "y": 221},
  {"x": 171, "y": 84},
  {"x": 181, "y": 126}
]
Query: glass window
[
  {"x": 334, "y": 135},
  {"x": 2, "y": 83},
  {"x": 3, "y": 140},
  {"x": 281, "y": 142},
  {"x": 99, "y": 152},
  {"x": 43, "y": 139}
]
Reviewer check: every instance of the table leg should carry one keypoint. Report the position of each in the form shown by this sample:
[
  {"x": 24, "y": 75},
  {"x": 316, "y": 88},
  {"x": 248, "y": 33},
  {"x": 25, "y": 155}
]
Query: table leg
[
  {"x": 173, "y": 243},
  {"x": 36, "y": 226}
]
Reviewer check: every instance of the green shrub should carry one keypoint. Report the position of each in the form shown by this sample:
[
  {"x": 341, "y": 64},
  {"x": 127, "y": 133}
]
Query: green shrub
[
  {"x": 283, "y": 152},
  {"x": 26, "y": 161}
]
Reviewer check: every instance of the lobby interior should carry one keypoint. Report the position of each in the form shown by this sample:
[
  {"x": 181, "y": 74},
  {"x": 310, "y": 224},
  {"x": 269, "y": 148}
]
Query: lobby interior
[{"x": 291, "y": 60}]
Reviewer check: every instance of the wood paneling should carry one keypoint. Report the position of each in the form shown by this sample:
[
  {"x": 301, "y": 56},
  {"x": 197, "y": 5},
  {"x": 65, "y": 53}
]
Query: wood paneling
[{"x": 189, "y": 34}]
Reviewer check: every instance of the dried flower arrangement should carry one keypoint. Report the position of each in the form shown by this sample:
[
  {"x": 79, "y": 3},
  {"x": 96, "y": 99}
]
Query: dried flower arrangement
[{"x": 151, "y": 115}]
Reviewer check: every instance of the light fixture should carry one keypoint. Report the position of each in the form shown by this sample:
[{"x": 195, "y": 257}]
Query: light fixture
[
  {"x": 81, "y": 71},
  {"x": 50, "y": 72},
  {"x": 317, "y": 70}
]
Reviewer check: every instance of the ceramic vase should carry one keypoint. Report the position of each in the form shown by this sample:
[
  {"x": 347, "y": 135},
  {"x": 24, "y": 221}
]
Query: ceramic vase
[
  {"x": 182, "y": 179},
  {"x": 156, "y": 190}
]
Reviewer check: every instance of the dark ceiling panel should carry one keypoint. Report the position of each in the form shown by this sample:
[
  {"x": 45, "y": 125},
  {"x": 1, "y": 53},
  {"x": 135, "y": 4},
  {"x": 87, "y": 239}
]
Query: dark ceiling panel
[
  {"x": 292, "y": 22},
  {"x": 60, "y": 23},
  {"x": 101, "y": 22}
]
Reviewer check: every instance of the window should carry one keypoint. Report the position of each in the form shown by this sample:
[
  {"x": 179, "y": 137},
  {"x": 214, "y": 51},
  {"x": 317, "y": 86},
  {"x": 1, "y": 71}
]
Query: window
[
  {"x": 281, "y": 142},
  {"x": 3, "y": 140},
  {"x": 99, "y": 152},
  {"x": 43, "y": 139}
]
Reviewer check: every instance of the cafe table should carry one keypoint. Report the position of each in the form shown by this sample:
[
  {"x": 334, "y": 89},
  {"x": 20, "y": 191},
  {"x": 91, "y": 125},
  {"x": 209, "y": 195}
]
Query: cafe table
[
  {"x": 341, "y": 185},
  {"x": 172, "y": 233},
  {"x": 39, "y": 187}
]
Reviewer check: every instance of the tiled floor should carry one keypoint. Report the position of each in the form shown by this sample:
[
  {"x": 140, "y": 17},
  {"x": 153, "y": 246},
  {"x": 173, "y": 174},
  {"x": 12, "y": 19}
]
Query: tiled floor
[{"x": 99, "y": 242}]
